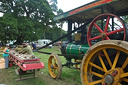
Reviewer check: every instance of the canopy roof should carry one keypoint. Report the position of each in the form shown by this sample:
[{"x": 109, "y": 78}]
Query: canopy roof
[{"x": 93, "y": 9}]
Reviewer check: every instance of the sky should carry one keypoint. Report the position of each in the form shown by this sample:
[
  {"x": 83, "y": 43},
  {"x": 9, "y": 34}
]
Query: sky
[{"x": 67, "y": 5}]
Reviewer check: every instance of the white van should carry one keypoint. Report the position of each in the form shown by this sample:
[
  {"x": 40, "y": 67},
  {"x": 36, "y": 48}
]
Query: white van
[{"x": 43, "y": 42}]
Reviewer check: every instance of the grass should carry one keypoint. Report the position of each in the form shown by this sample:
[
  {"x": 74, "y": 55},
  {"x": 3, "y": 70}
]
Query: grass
[{"x": 68, "y": 76}]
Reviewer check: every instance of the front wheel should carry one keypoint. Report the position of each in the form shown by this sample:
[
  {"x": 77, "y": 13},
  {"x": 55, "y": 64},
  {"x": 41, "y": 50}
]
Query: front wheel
[{"x": 54, "y": 66}]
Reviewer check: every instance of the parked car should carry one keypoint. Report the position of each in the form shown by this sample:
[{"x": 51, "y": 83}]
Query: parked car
[{"x": 43, "y": 42}]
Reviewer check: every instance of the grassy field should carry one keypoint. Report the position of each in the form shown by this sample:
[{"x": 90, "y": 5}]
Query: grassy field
[{"x": 68, "y": 77}]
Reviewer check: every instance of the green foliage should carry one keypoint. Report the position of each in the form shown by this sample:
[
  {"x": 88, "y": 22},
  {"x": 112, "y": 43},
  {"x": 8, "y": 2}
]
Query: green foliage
[
  {"x": 125, "y": 18},
  {"x": 8, "y": 27},
  {"x": 28, "y": 20}
]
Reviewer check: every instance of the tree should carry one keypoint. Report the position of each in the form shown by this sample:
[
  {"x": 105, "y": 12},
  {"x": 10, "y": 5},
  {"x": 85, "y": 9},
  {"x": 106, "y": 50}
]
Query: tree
[
  {"x": 125, "y": 18},
  {"x": 32, "y": 17},
  {"x": 8, "y": 28}
]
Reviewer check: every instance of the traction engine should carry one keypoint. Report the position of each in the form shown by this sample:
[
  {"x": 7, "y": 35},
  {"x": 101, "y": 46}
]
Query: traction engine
[{"x": 100, "y": 52}]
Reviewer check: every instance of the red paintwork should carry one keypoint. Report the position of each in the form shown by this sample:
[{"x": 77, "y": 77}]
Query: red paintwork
[{"x": 31, "y": 66}]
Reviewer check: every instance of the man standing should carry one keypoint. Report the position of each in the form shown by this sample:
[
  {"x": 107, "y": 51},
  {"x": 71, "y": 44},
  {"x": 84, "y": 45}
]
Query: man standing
[{"x": 34, "y": 46}]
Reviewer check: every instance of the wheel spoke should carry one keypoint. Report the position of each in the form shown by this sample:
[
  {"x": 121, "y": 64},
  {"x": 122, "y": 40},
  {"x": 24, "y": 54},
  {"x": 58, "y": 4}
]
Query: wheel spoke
[
  {"x": 116, "y": 59},
  {"x": 108, "y": 59},
  {"x": 95, "y": 82},
  {"x": 98, "y": 27},
  {"x": 102, "y": 63},
  {"x": 51, "y": 60},
  {"x": 94, "y": 38},
  {"x": 54, "y": 71},
  {"x": 107, "y": 38},
  {"x": 119, "y": 84},
  {"x": 115, "y": 31},
  {"x": 97, "y": 74},
  {"x": 106, "y": 27},
  {"x": 56, "y": 66},
  {"x": 96, "y": 66},
  {"x": 124, "y": 75},
  {"x": 125, "y": 63},
  {"x": 126, "y": 80}
]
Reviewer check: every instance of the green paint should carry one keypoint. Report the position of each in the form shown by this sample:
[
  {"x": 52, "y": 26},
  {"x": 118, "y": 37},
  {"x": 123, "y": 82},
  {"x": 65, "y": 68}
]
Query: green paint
[{"x": 76, "y": 51}]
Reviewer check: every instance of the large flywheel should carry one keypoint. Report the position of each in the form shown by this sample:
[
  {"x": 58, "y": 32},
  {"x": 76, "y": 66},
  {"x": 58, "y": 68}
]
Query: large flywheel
[
  {"x": 99, "y": 69},
  {"x": 106, "y": 27}
]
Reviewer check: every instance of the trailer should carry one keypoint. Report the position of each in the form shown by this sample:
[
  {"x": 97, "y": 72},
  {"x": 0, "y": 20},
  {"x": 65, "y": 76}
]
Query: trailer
[{"x": 27, "y": 64}]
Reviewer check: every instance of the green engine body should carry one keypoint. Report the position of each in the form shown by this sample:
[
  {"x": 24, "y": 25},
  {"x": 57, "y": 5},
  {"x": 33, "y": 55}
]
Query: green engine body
[{"x": 74, "y": 51}]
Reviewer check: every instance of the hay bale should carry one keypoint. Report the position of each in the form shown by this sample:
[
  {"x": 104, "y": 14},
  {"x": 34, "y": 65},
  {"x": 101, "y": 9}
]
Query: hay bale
[
  {"x": 2, "y": 63},
  {"x": 2, "y": 60}
]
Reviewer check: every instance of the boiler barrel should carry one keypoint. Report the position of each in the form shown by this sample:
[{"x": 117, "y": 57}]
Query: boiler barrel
[{"x": 76, "y": 51}]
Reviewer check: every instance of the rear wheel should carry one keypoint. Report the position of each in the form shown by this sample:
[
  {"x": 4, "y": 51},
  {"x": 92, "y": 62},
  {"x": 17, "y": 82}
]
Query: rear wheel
[{"x": 98, "y": 69}]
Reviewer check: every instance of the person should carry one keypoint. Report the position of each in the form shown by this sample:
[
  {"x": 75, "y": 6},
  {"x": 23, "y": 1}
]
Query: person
[
  {"x": 34, "y": 46},
  {"x": 1, "y": 44},
  {"x": 6, "y": 55},
  {"x": 19, "y": 48},
  {"x": 27, "y": 49}
]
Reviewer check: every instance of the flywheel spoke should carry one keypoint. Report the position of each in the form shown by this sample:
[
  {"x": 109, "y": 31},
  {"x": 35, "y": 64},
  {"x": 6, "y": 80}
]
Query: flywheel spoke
[
  {"x": 97, "y": 74},
  {"x": 107, "y": 38},
  {"x": 124, "y": 75},
  {"x": 98, "y": 27},
  {"x": 95, "y": 82},
  {"x": 106, "y": 27},
  {"x": 116, "y": 59},
  {"x": 102, "y": 63},
  {"x": 125, "y": 63},
  {"x": 96, "y": 66},
  {"x": 94, "y": 38},
  {"x": 113, "y": 32},
  {"x": 108, "y": 59}
]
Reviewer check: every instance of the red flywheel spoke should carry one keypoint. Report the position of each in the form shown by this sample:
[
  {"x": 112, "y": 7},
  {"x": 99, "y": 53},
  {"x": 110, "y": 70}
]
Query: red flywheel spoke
[
  {"x": 94, "y": 38},
  {"x": 107, "y": 38},
  {"x": 106, "y": 27},
  {"x": 98, "y": 27},
  {"x": 113, "y": 32}
]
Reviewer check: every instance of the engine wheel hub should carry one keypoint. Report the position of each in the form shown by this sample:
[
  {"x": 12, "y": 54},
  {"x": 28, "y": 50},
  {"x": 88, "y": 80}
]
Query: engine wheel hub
[
  {"x": 52, "y": 66},
  {"x": 103, "y": 35},
  {"x": 109, "y": 79}
]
